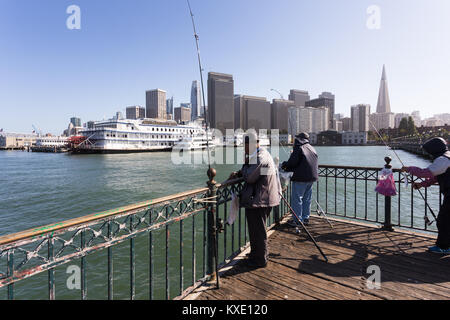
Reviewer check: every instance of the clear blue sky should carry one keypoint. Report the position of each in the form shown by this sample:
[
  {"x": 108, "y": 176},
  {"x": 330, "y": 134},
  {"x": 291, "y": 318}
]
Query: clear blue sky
[{"x": 49, "y": 73}]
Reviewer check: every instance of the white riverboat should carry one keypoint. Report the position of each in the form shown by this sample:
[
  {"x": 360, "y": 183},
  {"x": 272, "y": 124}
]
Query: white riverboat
[
  {"x": 234, "y": 141},
  {"x": 196, "y": 142},
  {"x": 237, "y": 140},
  {"x": 126, "y": 135},
  {"x": 52, "y": 141},
  {"x": 51, "y": 144}
]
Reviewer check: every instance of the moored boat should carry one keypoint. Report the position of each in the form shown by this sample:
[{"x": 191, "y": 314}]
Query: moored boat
[{"x": 127, "y": 135}]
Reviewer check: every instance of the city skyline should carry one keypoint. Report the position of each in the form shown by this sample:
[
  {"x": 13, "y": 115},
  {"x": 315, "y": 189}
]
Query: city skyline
[{"x": 87, "y": 73}]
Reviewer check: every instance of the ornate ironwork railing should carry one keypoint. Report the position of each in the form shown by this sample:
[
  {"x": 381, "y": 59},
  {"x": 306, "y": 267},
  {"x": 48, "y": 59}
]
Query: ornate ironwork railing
[
  {"x": 348, "y": 192},
  {"x": 183, "y": 238},
  {"x": 188, "y": 226}
]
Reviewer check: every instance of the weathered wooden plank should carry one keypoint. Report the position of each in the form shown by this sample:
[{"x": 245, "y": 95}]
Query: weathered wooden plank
[
  {"x": 393, "y": 244},
  {"x": 297, "y": 271},
  {"x": 342, "y": 274},
  {"x": 258, "y": 279},
  {"x": 237, "y": 289},
  {"x": 396, "y": 268},
  {"x": 421, "y": 260},
  {"x": 355, "y": 265},
  {"x": 311, "y": 285}
]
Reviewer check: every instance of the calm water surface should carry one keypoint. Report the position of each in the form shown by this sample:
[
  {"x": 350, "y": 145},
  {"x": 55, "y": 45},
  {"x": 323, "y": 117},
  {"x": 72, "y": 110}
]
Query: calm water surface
[
  {"x": 42, "y": 188},
  {"x": 39, "y": 188}
]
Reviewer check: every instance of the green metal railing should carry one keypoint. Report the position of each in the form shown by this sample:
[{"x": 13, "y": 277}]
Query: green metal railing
[
  {"x": 27, "y": 254},
  {"x": 348, "y": 192},
  {"x": 195, "y": 240}
]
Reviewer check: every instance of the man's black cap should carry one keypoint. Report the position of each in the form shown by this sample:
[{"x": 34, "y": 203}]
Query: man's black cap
[{"x": 302, "y": 135}]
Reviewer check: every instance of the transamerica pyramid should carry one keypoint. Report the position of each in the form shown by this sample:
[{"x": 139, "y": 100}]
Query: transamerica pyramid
[{"x": 384, "y": 104}]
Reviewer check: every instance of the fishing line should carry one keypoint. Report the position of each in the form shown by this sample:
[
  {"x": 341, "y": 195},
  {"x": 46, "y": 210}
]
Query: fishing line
[
  {"x": 406, "y": 176},
  {"x": 216, "y": 240},
  {"x": 201, "y": 80}
]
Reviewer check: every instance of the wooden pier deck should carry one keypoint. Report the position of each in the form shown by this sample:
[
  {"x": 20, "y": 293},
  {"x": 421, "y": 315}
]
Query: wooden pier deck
[{"x": 296, "y": 271}]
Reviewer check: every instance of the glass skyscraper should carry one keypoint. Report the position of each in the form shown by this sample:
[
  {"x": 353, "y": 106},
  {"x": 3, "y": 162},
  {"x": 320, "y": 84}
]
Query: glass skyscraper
[{"x": 196, "y": 104}]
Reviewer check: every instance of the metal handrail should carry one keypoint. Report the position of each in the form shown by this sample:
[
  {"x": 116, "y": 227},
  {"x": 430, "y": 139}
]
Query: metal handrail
[
  {"x": 126, "y": 210},
  {"x": 42, "y": 249},
  {"x": 27, "y": 253}
]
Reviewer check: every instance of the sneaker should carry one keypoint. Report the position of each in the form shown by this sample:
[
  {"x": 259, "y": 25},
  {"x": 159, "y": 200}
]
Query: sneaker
[
  {"x": 306, "y": 222},
  {"x": 436, "y": 249},
  {"x": 293, "y": 223}
]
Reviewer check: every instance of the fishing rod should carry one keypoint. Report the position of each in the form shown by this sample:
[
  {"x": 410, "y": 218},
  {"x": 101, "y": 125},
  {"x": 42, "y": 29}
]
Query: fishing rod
[
  {"x": 215, "y": 246},
  {"x": 427, "y": 221},
  {"x": 320, "y": 211},
  {"x": 201, "y": 80},
  {"x": 304, "y": 227}
]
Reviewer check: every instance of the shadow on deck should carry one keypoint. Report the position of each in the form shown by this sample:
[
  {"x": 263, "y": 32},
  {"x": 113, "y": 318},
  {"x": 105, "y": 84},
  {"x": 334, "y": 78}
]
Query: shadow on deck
[{"x": 296, "y": 269}]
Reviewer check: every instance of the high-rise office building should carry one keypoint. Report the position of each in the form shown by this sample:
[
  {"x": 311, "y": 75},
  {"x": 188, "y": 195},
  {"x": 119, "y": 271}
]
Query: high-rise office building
[
  {"x": 383, "y": 105},
  {"x": 327, "y": 95},
  {"x": 169, "y": 106},
  {"x": 238, "y": 111},
  {"x": 182, "y": 114},
  {"x": 338, "y": 125},
  {"x": 251, "y": 112},
  {"x": 280, "y": 114},
  {"x": 221, "y": 101},
  {"x": 326, "y": 99},
  {"x": 309, "y": 120},
  {"x": 305, "y": 120},
  {"x": 382, "y": 120},
  {"x": 346, "y": 124},
  {"x": 293, "y": 118},
  {"x": 360, "y": 118},
  {"x": 76, "y": 122},
  {"x": 299, "y": 97},
  {"x": 155, "y": 104},
  {"x": 256, "y": 113},
  {"x": 196, "y": 104},
  {"x": 135, "y": 112},
  {"x": 320, "y": 119}
]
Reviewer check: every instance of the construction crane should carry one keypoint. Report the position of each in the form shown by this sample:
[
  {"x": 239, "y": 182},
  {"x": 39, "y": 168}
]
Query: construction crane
[{"x": 38, "y": 132}]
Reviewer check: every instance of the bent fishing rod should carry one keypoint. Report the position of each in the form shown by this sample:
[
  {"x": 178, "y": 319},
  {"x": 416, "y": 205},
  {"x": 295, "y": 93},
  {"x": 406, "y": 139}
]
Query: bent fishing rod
[
  {"x": 304, "y": 227},
  {"x": 215, "y": 246},
  {"x": 201, "y": 80},
  {"x": 427, "y": 221}
]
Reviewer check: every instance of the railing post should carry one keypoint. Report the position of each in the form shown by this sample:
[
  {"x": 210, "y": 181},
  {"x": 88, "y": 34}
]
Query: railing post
[
  {"x": 211, "y": 221},
  {"x": 51, "y": 272},
  {"x": 387, "y": 202},
  {"x": 10, "y": 273}
]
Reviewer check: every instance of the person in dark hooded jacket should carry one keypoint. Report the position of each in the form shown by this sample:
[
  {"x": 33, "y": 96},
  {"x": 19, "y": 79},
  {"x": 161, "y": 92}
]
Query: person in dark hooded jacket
[
  {"x": 437, "y": 172},
  {"x": 303, "y": 162}
]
